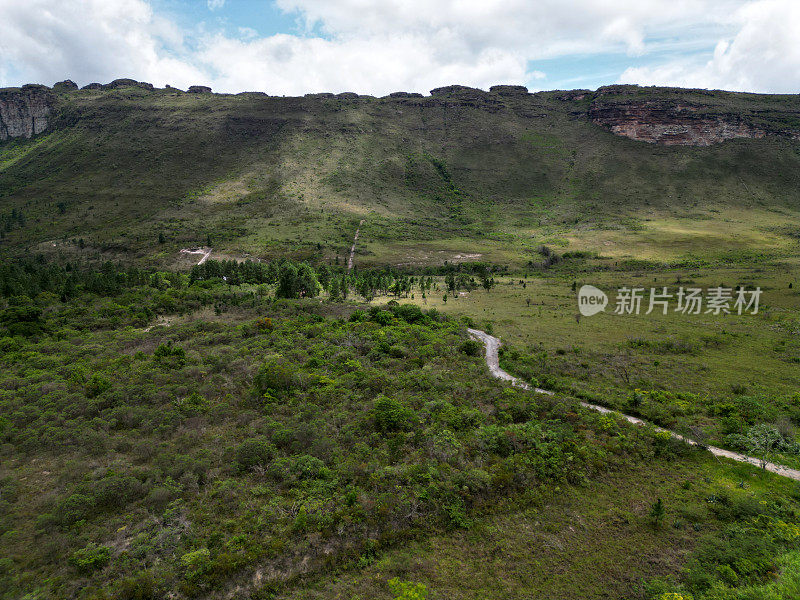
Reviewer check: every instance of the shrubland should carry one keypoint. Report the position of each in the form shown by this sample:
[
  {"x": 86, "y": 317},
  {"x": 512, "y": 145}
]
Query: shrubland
[{"x": 199, "y": 434}]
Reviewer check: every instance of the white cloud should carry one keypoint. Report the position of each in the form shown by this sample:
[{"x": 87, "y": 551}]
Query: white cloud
[
  {"x": 285, "y": 64},
  {"x": 92, "y": 40},
  {"x": 542, "y": 29},
  {"x": 413, "y": 45},
  {"x": 763, "y": 55}
]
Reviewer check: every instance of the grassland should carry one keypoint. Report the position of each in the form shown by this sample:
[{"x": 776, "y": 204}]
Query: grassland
[{"x": 702, "y": 354}]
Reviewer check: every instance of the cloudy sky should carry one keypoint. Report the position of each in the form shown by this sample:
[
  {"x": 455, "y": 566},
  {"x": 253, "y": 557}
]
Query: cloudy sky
[{"x": 298, "y": 46}]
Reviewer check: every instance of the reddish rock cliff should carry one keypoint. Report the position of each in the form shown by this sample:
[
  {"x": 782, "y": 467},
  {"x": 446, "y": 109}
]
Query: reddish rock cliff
[{"x": 689, "y": 117}]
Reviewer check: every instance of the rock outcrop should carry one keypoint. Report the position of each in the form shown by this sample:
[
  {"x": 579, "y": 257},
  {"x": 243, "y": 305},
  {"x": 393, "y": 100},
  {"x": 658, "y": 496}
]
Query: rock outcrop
[
  {"x": 118, "y": 83},
  {"x": 65, "y": 86},
  {"x": 24, "y": 111},
  {"x": 404, "y": 95},
  {"x": 509, "y": 90},
  {"x": 460, "y": 92},
  {"x": 674, "y": 117},
  {"x": 656, "y": 115},
  {"x": 670, "y": 123},
  {"x": 574, "y": 95}
]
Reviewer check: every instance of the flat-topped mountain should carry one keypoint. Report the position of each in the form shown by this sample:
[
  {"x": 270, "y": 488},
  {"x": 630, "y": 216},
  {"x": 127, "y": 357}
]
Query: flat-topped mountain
[{"x": 670, "y": 116}]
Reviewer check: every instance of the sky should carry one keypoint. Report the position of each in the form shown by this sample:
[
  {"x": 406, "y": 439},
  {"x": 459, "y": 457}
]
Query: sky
[{"x": 293, "y": 47}]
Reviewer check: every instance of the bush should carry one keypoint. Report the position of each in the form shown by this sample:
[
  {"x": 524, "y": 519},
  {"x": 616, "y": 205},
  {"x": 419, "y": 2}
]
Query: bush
[
  {"x": 299, "y": 467},
  {"x": 382, "y": 317},
  {"x": 170, "y": 356},
  {"x": 195, "y": 563},
  {"x": 115, "y": 491},
  {"x": 97, "y": 385},
  {"x": 274, "y": 378},
  {"x": 74, "y": 508},
  {"x": 470, "y": 347},
  {"x": 90, "y": 558},
  {"x": 254, "y": 452},
  {"x": 391, "y": 415},
  {"x": 406, "y": 590},
  {"x": 410, "y": 313},
  {"x": 396, "y": 352},
  {"x": 193, "y": 404},
  {"x": 139, "y": 587},
  {"x": 496, "y": 440}
]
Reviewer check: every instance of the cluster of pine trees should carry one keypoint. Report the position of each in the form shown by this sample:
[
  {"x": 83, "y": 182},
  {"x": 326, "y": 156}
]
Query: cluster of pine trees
[{"x": 30, "y": 277}]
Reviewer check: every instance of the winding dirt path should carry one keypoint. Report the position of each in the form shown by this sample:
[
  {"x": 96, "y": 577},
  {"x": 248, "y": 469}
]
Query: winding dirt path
[
  {"x": 353, "y": 247},
  {"x": 492, "y": 345}
]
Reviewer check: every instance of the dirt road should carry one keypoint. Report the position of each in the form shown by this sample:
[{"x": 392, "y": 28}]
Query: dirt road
[
  {"x": 353, "y": 247},
  {"x": 492, "y": 345},
  {"x": 206, "y": 252}
]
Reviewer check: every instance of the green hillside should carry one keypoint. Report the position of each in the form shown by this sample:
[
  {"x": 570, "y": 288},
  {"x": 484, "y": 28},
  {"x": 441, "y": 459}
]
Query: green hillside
[{"x": 461, "y": 172}]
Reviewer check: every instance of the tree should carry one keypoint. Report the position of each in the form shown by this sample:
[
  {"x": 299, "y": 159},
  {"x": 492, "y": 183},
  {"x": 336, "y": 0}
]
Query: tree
[
  {"x": 450, "y": 281},
  {"x": 307, "y": 284},
  {"x": 657, "y": 513},
  {"x": 287, "y": 281},
  {"x": 333, "y": 289},
  {"x": 22, "y": 317},
  {"x": 763, "y": 440},
  {"x": 324, "y": 276}
]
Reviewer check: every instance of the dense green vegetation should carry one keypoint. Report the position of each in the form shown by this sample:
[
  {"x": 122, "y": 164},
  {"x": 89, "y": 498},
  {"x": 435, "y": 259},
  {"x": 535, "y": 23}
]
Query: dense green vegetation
[
  {"x": 244, "y": 436},
  {"x": 247, "y": 441}
]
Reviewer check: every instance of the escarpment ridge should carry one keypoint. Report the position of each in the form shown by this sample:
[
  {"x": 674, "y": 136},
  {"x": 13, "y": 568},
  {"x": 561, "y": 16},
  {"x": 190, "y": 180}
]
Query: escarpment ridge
[{"x": 665, "y": 116}]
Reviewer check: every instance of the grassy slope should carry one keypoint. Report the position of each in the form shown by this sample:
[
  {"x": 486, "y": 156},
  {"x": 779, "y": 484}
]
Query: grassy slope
[{"x": 434, "y": 178}]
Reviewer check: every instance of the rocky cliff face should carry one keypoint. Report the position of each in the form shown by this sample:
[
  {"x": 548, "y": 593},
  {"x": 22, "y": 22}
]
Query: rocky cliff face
[
  {"x": 691, "y": 117},
  {"x": 668, "y": 116},
  {"x": 24, "y": 111}
]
